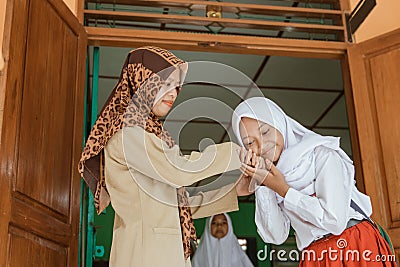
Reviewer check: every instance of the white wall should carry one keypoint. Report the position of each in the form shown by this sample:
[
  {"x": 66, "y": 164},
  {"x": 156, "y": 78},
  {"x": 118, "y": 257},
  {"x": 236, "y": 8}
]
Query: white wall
[
  {"x": 382, "y": 19},
  {"x": 2, "y": 18},
  {"x": 72, "y": 4}
]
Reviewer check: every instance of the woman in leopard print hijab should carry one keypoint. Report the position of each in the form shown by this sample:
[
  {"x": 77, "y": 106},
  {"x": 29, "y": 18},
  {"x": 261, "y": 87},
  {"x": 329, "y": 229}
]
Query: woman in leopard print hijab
[
  {"x": 130, "y": 104},
  {"x": 142, "y": 94},
  {"x": 143, "y": 222},
  {"x": 141, "y": 71}
]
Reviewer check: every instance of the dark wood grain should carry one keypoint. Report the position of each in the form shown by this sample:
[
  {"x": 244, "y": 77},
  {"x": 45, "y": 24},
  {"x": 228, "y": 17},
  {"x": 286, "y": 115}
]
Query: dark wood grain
[
  {"x": 41, "y": 134},
  {"x": 216, "y": 43}
]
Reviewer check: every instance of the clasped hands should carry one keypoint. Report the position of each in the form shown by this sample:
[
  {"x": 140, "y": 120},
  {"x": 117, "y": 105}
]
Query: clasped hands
[{"x": 259, "y": 171}]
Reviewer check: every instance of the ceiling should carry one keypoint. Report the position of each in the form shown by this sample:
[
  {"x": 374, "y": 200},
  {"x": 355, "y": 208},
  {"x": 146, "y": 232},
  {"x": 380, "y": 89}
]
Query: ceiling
[
  {"x": 118, "y": 17},
  {"x": 308, "y": 90}
]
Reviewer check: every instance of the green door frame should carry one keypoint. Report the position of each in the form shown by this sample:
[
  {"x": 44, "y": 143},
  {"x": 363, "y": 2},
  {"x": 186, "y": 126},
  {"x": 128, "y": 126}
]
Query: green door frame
[{"x": 87, "y": 234}]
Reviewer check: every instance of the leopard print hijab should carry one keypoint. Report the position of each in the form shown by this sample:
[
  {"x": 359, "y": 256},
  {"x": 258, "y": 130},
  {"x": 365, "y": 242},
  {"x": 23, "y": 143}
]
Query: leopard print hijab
[{"x": 130, "y": 104}]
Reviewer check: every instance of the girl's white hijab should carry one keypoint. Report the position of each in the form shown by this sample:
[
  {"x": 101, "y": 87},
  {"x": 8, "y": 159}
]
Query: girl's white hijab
[
  {"x": 223, "y": 252},
  {"x": 297, "y": 158}
]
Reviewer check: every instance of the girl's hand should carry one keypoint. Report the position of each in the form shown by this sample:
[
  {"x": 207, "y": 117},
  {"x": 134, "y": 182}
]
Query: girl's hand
[{"x": 266, "y": 173}]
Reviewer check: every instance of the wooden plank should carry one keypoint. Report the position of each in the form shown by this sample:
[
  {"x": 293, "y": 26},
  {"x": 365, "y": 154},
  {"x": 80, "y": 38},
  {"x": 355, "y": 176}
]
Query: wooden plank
[
  {"x": 386, "y": 90},
  {"x": 41, "y": 222},
  {"x": 343, "y": 5},
  {"x": 79, "y": 10},
  {"x": 69, "y": 18},
  {"x": 27, "y": 249},
  {"x": 394, "y": 234},
  {"x": 15, "y": 31},
  {"x": 173, "y": 3},
  {"x": 216, "y": 43},
  {"x": 236, "y": 8},
  {"x": 351, "y": 116},
  {"x": 224, "y": 22},
  {"x": 78, "y": 85},
  {"x": 50, "y": 110}
]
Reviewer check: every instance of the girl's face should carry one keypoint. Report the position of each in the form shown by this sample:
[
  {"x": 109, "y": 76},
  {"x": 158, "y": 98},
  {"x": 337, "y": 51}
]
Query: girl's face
[
  {"x": 166, "y": 96},
  {"x": 219, "y": 226},
  {"x": 261, "y": 138}
]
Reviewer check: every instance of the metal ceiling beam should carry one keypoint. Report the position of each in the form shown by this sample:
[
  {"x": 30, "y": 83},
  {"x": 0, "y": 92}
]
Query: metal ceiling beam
[
  {"x": 259, "y": 70},
  {"x": 224, "y": 123},
  {"x": 198, "y": 121},
  {"x": 327, "y": 110},
  {"x": 329, "y": 127},
  {"x": 262, "y": 87},
  {"x": 258, "y": 73}
]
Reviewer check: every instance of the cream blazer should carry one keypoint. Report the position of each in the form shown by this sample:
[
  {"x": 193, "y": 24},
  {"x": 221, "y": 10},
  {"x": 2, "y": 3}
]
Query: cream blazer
[{"x": 142, "y": 175}]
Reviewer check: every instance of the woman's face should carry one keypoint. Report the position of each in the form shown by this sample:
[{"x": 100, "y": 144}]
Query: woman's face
[
  {"x": 261, "y": 138},
  {"x": 166, "y": 96},
  {"x": 219, "y": 226}
]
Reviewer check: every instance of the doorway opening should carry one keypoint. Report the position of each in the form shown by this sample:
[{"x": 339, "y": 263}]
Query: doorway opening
[{"x": 311, "y": 90}]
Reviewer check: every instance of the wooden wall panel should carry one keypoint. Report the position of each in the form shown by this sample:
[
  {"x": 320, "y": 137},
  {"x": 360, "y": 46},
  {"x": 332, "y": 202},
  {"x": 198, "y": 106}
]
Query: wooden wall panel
[
  {"x": 27, "y": 249},
  {"x": 47, "y": 110},
  {"x": 41, "y": 134},
  {"x": 386, "y": 91}
]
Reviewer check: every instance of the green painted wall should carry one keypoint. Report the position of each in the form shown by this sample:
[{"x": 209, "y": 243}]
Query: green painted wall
[
  {"x": 103, "y": 233},
  {"x": 243, "y": 224}
]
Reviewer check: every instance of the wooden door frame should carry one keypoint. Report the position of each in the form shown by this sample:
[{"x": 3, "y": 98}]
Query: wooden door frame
[
  {"x": 128, "y": 38},
  {"x": 186, "y": 41}
]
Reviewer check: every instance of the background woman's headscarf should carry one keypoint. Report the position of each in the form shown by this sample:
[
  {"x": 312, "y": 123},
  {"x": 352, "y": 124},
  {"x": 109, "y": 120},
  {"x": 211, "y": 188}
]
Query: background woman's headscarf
[
  {"x": 130, "y": 104},
  {"x": 297, "y": 159},
  {"x": 224, "y": 252}
]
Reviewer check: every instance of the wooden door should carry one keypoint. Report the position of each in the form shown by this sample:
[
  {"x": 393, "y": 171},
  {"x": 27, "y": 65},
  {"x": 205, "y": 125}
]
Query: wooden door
[
  {"x": 375, "y": 76},
  {"x": 45, "y": 49}
]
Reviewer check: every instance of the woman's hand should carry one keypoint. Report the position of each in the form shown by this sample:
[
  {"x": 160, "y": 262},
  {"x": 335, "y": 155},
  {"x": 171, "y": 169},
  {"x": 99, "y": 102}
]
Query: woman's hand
[
  {"x": 247, "y": 157},
  {"x": 242, "y": 186},
  {"x": 266, "y": 173}
]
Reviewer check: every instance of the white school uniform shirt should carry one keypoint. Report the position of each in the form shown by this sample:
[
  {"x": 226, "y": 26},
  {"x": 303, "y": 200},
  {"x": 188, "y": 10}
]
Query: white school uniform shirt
[{"x": 320, "y": 176}]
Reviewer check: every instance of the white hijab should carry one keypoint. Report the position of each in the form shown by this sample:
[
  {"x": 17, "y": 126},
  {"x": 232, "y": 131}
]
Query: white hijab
[
  {"x": 296, "y": 162},
  {"x": 224, "y": 252}
]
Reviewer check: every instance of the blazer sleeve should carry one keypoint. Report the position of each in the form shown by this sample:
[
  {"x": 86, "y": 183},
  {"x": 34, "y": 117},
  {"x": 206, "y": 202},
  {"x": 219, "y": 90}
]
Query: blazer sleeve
[
  {"x": 149, "y": 155},
  {"x": 205, "y": 204}
]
